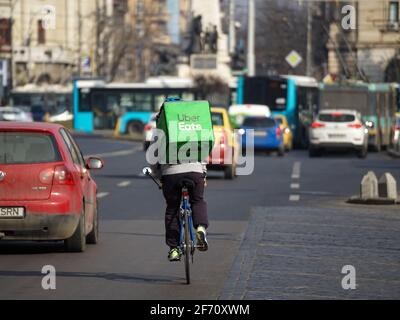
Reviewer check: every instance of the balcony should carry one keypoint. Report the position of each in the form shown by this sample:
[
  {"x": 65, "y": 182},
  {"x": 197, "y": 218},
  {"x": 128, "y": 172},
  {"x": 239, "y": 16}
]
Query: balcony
[{"x": 56, "y": 55}]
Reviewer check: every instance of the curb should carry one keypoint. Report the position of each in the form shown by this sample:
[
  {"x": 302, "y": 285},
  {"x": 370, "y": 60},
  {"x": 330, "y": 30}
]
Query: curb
[
  {"x": 393, "y": 153},
  {"x": 373, "y": 201}
]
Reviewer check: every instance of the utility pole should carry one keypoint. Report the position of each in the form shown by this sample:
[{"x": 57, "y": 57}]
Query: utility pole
[
  {"x": 12, "y": 68},
  {"x": 232, "y": 33},
  {"x": 79, "y": 38},
  {"x": 251, "y": 40},
  {"x": 309, "y": 39}
]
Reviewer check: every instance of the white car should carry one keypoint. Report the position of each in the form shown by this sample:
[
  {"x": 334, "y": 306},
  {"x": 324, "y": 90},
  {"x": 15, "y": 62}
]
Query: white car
[
  {"x": 338, "y": 128},
  {"x": 240, "y": 111},
  {"x": 148, "y": 131},
  {"x": 62, "y": 116},
  {"x": 15, "y": 114}
]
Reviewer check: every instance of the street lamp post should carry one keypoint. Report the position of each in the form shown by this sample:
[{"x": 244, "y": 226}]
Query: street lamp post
[{"x": 251, "y": 40}]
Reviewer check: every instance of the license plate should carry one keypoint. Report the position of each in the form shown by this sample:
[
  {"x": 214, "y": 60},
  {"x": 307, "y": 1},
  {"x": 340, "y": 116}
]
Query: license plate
[
  {"x": 337, "y": 136},
  {"x": 260, "y": 134},
  {"x": 12, "y": 212}
]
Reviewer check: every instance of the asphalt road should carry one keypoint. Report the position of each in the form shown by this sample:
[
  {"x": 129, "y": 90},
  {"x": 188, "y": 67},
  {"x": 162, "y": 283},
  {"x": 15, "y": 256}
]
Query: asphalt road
[{"x": 130, "y": 262}]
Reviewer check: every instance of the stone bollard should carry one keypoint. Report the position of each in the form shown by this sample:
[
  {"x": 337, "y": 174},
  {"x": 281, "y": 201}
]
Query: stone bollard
[
  {"x": 369, "y": 186},
  {"x": 387, "y": 187}
]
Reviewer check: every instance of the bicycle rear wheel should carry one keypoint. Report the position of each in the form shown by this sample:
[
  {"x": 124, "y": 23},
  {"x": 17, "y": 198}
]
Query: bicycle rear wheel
[{"x": 187, "y": 248}]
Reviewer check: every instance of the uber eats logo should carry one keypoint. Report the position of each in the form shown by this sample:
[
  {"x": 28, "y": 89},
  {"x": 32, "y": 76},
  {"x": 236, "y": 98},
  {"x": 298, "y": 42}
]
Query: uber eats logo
[{"x": 185, "y": 125}]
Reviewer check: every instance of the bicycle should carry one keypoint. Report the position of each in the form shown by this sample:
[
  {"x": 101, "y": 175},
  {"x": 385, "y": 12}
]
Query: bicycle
[{"x": 187, "y": 243}]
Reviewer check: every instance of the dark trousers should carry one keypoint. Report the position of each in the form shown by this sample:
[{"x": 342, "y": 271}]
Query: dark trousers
[{"x": 172, "y": 194}]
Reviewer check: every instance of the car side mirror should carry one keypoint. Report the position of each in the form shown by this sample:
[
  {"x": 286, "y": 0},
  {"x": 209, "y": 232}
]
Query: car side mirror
[{"x": 94, "y": 163}]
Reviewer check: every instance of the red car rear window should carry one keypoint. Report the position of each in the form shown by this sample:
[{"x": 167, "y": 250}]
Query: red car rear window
[{"x": 27, "y": 147}]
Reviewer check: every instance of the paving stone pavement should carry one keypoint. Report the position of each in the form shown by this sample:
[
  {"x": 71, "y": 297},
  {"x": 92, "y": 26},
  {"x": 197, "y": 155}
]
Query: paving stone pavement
[{"x": 299, "y": 253}]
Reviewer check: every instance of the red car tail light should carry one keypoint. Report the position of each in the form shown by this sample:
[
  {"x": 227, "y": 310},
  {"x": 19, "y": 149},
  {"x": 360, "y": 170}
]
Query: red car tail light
[
  {"x": 147, "y": 127},
  {"x": 63, "y": 176},
  {"x": 316, "y": 125},
  {"x": 223, "y": 140},
  {"x": 46, "y": 176},
  {"x": 278, "y": 132},
  {"x": 355, "y": 125}
]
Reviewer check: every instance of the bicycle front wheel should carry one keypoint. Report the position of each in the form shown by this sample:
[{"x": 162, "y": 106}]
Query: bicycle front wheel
[{"x": 188, "y": 246}]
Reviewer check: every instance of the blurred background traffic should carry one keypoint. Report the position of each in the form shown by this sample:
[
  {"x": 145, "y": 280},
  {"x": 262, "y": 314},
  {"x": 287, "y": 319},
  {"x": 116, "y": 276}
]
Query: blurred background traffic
[{"x": 107, "y": 65}]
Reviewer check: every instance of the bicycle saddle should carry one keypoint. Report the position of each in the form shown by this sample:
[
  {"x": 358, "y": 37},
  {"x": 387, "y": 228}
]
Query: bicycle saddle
[{"x": 187, "y": 183}]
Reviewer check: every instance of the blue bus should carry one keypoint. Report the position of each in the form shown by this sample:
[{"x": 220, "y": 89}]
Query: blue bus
[
  {"x": 98, "y": 105},
  {"x": 295, "y": 97}
]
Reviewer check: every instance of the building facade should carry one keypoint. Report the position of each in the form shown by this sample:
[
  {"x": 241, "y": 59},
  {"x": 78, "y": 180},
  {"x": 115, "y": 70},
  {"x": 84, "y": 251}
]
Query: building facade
[
  {"x": 369, "y": 52},
  {"x": 47, "y": 41}
]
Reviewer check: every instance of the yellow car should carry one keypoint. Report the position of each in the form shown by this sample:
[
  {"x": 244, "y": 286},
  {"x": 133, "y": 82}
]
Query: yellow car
[
  {"x": 287, "y": 133},
  {"x": 225, "y": 151}
]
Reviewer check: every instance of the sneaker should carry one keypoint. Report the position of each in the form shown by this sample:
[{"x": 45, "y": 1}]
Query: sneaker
[
  {"x": 201, "y": 236},
  {"x": 174, "y": 254}
]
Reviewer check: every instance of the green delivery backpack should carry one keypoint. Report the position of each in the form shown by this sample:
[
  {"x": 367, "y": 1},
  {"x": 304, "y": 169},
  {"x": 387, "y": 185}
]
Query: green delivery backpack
[{"x": 188, "y": 131}]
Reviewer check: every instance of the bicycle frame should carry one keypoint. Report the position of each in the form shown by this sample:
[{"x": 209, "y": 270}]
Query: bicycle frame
[{"x": 186, "y": 210}]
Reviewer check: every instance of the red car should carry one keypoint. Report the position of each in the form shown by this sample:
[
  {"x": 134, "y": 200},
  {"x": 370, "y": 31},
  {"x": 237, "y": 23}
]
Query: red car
[{"x": 46, "y": 190}]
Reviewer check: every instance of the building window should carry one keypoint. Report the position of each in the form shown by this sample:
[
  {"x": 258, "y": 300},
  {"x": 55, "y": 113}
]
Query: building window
[
  {"x": 5, "y": 32},
  {"x": 41, "y": 32},
  {"x": 393, "y": 11}
]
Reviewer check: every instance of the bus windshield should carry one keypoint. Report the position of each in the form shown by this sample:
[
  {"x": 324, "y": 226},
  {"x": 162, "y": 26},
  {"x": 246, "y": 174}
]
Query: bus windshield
[{"x": 266, "y": 91}]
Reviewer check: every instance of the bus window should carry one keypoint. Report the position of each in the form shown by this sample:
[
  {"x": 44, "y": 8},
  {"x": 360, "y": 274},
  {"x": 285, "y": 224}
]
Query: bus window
[
  {"x": 141, "y": 102},
  {"x": 158, "y": 101},
  {"x": 84, "y": 100},
  {"x": 98, "y": 103},
  {"x": 265, "y": 91}
]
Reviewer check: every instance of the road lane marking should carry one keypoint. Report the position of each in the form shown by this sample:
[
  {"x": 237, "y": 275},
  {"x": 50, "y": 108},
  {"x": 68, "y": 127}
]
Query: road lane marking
[
  {"x": 296, "y": 170},
  {"x": 295, "y": 186},
  {"x": 316, "y": 193},
  {"x": 102, "y": 195},
  {"x": 294, "y": 197},
  {"x": 119, "y": 153},
  {"x": 124, "y": 184}
]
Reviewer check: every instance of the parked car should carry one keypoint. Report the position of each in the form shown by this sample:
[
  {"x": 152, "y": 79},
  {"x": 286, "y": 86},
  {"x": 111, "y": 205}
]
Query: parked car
[
  {"x": 267, "y": 134},
  {"x": 286, "y": 131},
  {"x": 15, "y": 114},
  {"x": 46, "y": 189},
  {"x": 148, "y": 131},
  {"x": 342, "y": 128},
  {"x": 223, "y": 157}
]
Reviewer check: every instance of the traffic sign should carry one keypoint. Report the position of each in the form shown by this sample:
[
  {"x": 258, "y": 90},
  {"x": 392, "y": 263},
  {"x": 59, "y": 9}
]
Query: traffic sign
[{"x": 294, "y": 59}]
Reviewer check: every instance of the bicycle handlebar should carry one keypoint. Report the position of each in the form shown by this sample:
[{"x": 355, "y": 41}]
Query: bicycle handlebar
[{"x": 158, "y": 183}]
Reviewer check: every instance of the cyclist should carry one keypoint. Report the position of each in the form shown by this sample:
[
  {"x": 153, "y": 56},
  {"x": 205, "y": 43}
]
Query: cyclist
[{"x": 171, "y": 176}]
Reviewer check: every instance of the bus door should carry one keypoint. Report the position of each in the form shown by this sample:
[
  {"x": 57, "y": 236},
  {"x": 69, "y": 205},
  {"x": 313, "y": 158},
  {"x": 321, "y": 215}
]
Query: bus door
[{"x": 104, "y": 107}]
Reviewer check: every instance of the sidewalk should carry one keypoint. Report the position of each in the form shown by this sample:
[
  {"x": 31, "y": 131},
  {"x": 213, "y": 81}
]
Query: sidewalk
[
  {"x": 299, "y": 253},
  {"x": 394, "y": 153}
]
